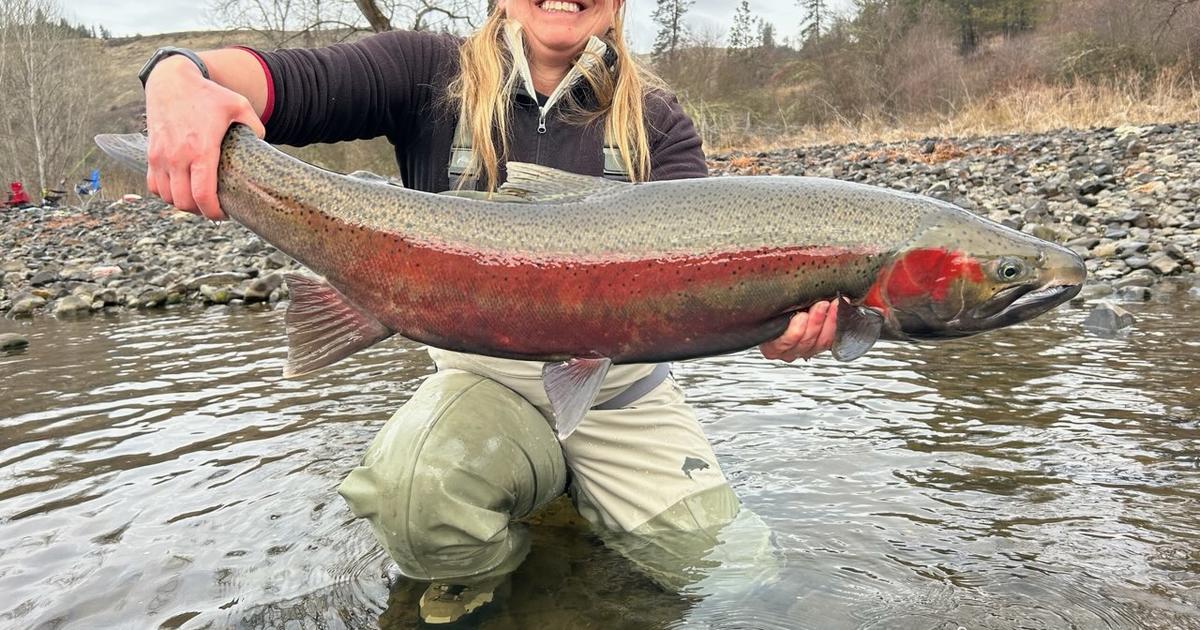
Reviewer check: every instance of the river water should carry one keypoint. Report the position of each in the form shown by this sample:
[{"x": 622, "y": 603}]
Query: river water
[{"x": 157, "y": 471}]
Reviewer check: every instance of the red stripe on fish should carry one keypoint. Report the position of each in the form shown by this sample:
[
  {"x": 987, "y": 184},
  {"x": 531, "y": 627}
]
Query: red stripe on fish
[{"x": 588, "y": 306}]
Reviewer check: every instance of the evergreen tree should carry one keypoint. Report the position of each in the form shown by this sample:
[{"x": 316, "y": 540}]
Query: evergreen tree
[
  {"x": 740, "y": 35},
  {"x": 815, "y": 16},
  {"x": 669, "y": 17},
  {"x": 766, "y": 34}
]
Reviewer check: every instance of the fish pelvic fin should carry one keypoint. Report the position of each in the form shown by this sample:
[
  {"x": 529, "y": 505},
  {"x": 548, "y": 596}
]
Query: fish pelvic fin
[
  {"x": 324, "y": 327},
  {"x": 858, "y": 328},
  {"x": 571, "y": 387},
  {"x": 128, "y": 149}
]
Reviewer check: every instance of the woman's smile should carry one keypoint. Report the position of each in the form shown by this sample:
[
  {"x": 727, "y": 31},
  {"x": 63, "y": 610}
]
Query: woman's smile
[{"x": 559, "y": 6}]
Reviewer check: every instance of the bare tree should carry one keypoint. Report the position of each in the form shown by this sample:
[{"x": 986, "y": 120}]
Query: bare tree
[
  {"x": 283, "y": 22},
  {"x": 375, "y": 17},
  {"x": 45, "y": 92}
]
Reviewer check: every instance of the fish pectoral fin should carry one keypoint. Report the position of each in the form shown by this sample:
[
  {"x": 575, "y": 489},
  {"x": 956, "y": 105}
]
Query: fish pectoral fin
[
  {"x": 324, "y": 327},
  {"x": 571, "y": 387},
  {"x": 858, "y": 328},
  {"x": 549, "y": 185}
]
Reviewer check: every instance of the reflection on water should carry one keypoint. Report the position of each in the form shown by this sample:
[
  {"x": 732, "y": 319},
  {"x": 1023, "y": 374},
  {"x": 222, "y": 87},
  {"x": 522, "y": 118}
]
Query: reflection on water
[{"x": 156, "y": 471}]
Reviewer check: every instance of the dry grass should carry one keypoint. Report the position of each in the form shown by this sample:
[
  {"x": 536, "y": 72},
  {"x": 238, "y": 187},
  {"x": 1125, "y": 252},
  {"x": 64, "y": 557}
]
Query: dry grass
[{"x": 1171, "y": 96}]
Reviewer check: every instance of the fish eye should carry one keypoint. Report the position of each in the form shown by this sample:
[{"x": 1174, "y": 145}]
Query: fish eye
[{"x": 1010, "y": 269}]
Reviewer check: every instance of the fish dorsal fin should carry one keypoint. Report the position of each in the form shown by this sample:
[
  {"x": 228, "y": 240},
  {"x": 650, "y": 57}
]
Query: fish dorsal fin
[
  {"x": 571, "y": 387},
  {"x": 543, "y": 184},
  {"x": 480, "y": 195},
  {"x": 375, "y": 178},
  {"x": 858, "y": 328}
]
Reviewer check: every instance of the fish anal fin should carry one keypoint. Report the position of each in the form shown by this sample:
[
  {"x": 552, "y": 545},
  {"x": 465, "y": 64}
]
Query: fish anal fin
[
  {"x": 324, "y": 327},
  {"x": 549, "y": 185},
  {"x": 858, "y": 328},
  {"x": 571, "y": 387}
]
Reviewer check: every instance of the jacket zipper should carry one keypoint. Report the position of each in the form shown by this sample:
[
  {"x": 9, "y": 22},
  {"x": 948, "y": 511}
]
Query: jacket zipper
[{"x": 542, "y": 112}]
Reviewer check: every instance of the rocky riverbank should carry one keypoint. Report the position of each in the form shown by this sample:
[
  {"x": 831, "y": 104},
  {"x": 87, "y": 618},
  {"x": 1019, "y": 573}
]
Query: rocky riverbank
[{"x": 1126, "y": 199}]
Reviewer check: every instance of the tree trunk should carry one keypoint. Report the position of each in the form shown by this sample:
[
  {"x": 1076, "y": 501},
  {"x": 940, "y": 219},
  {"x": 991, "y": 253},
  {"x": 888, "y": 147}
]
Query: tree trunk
[{"x": 370, "y": 10}]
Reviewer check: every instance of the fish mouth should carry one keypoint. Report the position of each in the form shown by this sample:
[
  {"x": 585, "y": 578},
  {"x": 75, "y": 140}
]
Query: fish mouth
[{"x": 1023, "y": 302}]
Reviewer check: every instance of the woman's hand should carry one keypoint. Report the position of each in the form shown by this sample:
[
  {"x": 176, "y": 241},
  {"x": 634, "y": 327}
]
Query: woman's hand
[
  {"x": 187, "y": 117},
  {"x": 808, "y": 334}
]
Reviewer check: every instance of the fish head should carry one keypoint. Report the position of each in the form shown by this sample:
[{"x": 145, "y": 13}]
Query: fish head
[{"x": 966, "y": 275}]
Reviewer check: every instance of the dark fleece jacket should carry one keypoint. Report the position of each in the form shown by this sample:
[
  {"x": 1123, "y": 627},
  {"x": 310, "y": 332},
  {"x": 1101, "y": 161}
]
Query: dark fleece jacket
[{"x": 394, "y": 85}]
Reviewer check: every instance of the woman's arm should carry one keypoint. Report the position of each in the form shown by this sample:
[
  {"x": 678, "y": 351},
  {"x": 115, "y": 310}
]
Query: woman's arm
[{"x": 376, "y": 86}]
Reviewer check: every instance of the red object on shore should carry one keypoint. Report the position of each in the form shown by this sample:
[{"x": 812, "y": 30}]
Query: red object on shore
[{"x": 17, "y": 196}]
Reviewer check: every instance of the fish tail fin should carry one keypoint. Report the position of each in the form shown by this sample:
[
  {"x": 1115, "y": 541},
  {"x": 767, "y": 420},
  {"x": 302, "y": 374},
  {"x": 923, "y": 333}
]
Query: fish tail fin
[
  {"x": 324, "y": 327},
  {"x": 129, "y": 149}
]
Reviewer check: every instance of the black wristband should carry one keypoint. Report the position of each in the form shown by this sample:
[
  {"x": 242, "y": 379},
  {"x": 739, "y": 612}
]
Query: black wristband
[{"x": 167, "y": 51}]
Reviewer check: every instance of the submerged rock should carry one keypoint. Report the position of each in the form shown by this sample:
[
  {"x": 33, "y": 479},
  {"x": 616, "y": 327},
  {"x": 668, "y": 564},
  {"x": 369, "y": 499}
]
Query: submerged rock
[
  {"x": 12, "y": 341},
  {"x": 26, "y": 305},
  {"x": 72, "y": 305},
  {"x": 1108, "y": 318}
]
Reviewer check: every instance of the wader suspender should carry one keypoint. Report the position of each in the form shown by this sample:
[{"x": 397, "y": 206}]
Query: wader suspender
[{"x": 460, "y": 160}]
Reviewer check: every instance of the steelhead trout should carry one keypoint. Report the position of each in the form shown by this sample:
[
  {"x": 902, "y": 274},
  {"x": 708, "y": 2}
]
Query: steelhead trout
[{"x": 583, "y": 272}]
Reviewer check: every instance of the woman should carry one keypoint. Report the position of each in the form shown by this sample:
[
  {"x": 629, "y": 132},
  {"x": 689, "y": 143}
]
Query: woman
[{"x": 544, "y": 81}]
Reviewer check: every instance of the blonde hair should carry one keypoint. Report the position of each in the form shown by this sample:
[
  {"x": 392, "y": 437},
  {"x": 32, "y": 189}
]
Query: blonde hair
[{"x": 486, "y": 82}]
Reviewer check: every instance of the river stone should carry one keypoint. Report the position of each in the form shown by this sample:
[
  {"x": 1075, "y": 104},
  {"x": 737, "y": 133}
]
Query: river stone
[
  {"x": 78, "y": 273},
  {"x": 26, "y": 304},
  {"x": 1139, "y": 278},
  {"x": 260, "y": 289},
  {"x": 1091, "y": 292},
  {"x": 12, "y": 341},
  {"x": 1038, "y": 230},
  {"x": 1086, "y": 242},
  {"x": 1163, "y": 264},
  {"x": 104, "y": 272},
  {"x": 215, "y": 280},
  {"x": 277, "y": 259},
  {"x": 71, "y": 306},
  {"x": 1134, "y": 294},
  {"x": 43, "y": 277},
  {"x": 1137, "y": 262},
  {"x": 1108, "y": 318},
  {"x": 216, "y": 295},
  {"x": 152, "y": 298},
  {"x": 107, "y": 297}
]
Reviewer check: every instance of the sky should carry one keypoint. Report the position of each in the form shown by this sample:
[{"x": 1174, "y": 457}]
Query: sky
[{"x": 129, "y": 17}]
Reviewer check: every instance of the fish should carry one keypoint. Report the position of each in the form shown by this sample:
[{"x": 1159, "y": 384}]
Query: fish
[{"x": 582, "y": 272}]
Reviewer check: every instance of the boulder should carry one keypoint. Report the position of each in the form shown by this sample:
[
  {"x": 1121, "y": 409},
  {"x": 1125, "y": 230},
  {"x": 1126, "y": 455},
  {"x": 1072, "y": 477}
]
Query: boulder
[
  {"x": 12, "y": 341},
  {"x": 1108, "y": 319}
]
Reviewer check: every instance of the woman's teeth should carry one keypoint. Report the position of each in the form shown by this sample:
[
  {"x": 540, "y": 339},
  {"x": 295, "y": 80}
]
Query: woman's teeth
[{"x": 557, "y": 5}]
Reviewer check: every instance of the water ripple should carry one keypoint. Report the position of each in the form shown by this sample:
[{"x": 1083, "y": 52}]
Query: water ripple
[{"x": 157, "y": 469}]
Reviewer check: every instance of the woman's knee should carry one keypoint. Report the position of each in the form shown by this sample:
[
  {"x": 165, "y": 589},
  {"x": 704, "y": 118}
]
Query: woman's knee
[{"x": 450, "y": 469}]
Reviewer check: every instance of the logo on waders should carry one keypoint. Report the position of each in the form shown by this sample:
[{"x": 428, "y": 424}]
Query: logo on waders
[{"x": 692, "y": 463}]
